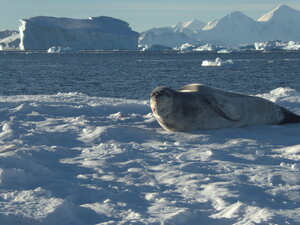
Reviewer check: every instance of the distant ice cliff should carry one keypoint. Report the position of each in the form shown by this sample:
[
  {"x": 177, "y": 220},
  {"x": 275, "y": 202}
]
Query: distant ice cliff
[{"x": 103, "y": 33}]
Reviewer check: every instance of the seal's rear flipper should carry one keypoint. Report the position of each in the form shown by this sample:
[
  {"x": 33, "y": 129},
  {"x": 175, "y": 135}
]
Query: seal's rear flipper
[{"x": 289, "y": 117}]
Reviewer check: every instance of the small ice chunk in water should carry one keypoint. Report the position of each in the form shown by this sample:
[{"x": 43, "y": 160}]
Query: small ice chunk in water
[{"x": 217, "y": 62}]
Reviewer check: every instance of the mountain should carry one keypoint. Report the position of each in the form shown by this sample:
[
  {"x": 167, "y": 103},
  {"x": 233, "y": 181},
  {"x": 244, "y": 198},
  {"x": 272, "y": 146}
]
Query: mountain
[
  {"x": 236, "y": 28},
  {"x": 230, "y": 30},
  {"x": 282, "y": 23},
  {"x": 41, "y": 33},
  {"x": 280, "y": 13},
  {"x": 190, "y": 26},
  {"x": 166, "y": 36},
  {"x": 173, "y": 36}
]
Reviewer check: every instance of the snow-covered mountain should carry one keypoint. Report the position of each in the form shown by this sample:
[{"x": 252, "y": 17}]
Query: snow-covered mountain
[
  {"x": 233, "y": 29},
  {"x": 93, "y": 33},
  {"x": 282, "y": 23},
  {"x": 190, "y": 26},
  {"x": 165, "y": 36},
  {"x": 173, "y": 36}
]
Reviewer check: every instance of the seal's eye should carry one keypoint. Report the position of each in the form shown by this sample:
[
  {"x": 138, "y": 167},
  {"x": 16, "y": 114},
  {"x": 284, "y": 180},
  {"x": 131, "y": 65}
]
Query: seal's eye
[
  {"x": 156, "y": 93},
  {"x": 161, "y": 93}
]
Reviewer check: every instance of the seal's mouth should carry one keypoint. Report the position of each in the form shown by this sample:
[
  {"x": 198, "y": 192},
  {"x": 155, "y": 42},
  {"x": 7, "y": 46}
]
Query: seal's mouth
[{"x": 153, "y": 109}]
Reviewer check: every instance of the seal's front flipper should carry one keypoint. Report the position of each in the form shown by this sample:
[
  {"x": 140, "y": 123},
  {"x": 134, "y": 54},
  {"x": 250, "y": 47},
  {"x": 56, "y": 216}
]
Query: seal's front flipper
[
  {"x": 224, "y": 107},
  {"x": 289, "y": 117}
]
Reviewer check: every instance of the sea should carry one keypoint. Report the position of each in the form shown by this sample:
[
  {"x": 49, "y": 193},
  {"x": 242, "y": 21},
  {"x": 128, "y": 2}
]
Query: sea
[{"x": 134, "y": 74}]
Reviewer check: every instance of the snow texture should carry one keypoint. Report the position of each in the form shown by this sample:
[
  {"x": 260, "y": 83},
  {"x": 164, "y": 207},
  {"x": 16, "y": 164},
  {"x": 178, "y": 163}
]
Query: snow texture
[
  {"x": 282, "y": 23},
  {"x": 41, "y": 33},
  {"x": 77, "y": 160}
]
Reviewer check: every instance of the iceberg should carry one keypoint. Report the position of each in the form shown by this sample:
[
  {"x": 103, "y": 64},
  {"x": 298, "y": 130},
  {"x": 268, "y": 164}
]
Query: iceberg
[
  {"x": 292, "y": 46},
  {"x": 277, "y": 45},
  {"x": 206, "y": 48},
  {"x": 9, "y": 40},
  {"x": 95, "y": 33},
  {"x": 217, "y": 62},
  {"x": 58, "y": 49},
  {"x": 187, "y": 47},
  {"x": 7, "y": 33},
  {"x": 154, "y": 48}
]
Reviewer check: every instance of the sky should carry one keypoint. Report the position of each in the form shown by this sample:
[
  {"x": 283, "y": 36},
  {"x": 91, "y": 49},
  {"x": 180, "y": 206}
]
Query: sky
[{"x": 140, "y": 14}]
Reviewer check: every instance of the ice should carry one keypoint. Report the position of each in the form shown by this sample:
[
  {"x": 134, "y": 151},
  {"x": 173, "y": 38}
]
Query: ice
[
  {"x": 58, "y": 49},
  {"x": 95, "y": 33},
  {"x": 9, "y": 40},
  {"x": 74, "y": 159},
  {"x": 217, "y": 62}
]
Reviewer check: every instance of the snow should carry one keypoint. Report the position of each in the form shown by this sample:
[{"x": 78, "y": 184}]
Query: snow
[
  {"x": 281, "y": 12},
  {"x": 190, "y": 26},
  {"x": 166, "y": 36},
  {"x": 73, "y": 159},
  {"x": 41, "y": 33},
  {"x": 232, "y": 30}
]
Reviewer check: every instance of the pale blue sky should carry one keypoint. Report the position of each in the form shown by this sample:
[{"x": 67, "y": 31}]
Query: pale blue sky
[{"x": 140, "y": 14}]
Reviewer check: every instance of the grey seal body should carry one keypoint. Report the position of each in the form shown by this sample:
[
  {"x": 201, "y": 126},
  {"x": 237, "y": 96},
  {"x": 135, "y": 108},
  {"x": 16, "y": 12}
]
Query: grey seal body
[{"x": 199, "y": 107}]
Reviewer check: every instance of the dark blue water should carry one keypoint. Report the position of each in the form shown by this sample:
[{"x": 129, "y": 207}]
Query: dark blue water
[{"x": 135, "y": 74}]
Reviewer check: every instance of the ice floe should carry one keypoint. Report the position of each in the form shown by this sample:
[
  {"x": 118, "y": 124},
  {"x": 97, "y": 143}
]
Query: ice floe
[{"x": 74, "y": 159}]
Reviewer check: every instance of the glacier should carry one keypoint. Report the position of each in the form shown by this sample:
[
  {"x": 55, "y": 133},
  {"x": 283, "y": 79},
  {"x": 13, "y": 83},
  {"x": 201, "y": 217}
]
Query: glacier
[{"x": 95, "y": 33}]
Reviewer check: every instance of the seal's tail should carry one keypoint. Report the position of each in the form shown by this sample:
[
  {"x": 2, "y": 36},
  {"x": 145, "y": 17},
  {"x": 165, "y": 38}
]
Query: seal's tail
[{"x": 289, "y": 117}]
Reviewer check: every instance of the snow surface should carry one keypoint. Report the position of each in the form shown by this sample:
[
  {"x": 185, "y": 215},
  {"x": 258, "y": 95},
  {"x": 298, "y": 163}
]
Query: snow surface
[{"x": 77, "y": 160}]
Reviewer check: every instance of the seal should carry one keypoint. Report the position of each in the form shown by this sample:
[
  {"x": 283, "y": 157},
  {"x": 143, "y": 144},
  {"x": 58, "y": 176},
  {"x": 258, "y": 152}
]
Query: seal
[{"x": 199, "y": 107}]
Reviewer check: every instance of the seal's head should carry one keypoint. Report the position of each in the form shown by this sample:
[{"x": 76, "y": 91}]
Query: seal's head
[{"x": 162, "y": 101}]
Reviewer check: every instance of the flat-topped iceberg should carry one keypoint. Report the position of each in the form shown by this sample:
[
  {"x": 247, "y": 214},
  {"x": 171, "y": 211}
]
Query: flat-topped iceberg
[{"x": 103, "y": 33}]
